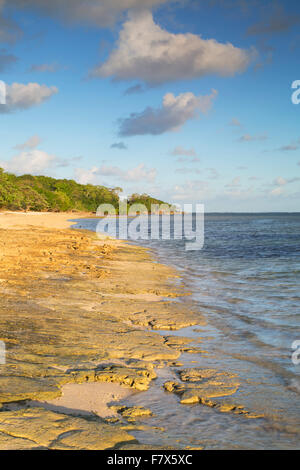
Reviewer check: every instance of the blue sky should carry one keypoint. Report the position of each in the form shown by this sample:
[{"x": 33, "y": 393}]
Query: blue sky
[{"x": 189, "y": 101}]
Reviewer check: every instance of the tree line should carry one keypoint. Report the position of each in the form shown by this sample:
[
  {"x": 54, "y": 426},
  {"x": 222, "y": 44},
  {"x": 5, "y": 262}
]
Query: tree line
[{"x": 43, "y": 193}]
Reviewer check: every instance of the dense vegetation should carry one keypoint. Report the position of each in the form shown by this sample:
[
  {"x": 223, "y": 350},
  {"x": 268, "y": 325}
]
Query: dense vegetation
[
  {"x": 147, "y": 201},
  {"x": 42, "y": 193}
]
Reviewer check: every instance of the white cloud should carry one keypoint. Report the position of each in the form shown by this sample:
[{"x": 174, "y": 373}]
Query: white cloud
[
  {"x": 280, "y": 181},
  {"x": 36, "y": 162},
  {"x": 235, "y": 122},
  {"x": 252, "y": 138},
  {"x": 139, "y": 173},
  {"x": 283, "y": 181},
  {"x": 149, "y": 53},
  {"x": 234, "y": 183},
  {"x": 173, "y": 114},
  {"x": 181, "y": 151},
  {"x": 276, "y": 191},
  {"x": 20, "y": 96},
  {"x": 33, "y": 161},
  {"x": 191, "y": 190},
  {"x": 31, "y": 143},
  {"x": 96, "y": 12},
  {"x": 84, "y": 176}
]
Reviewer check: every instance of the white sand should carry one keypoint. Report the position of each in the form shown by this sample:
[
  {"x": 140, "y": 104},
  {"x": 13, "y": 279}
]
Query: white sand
[
  {"x": 59, "y": 220},
  {"x": 87, "y": 398}
]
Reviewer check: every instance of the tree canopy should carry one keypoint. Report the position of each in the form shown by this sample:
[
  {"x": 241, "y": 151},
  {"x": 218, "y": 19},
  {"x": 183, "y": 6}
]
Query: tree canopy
[{"x": 43, "y": 193}]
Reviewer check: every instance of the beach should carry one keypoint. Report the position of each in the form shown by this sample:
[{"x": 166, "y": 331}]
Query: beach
[
  {"x": 76, "y": 309},
  {"x": 115, "y": 345}
]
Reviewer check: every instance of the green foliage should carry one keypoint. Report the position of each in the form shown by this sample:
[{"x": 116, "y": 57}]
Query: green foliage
[
  {"x": 147, "y": 201},
  {"x": 42, "y": 193}
]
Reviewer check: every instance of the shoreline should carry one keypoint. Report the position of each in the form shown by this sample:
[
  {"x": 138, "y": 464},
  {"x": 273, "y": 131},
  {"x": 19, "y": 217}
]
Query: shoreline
[{"x": 77, "y": 317}]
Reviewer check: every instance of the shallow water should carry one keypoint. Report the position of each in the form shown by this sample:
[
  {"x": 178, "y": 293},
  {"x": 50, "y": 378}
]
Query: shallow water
[{"x": 246, "y": 282}]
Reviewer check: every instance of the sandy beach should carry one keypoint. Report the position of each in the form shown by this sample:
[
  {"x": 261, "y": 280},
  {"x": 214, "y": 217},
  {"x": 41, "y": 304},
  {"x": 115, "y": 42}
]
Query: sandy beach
[
  {"x": 78, "y": 322},
  {"x": 78, "y": 316}
]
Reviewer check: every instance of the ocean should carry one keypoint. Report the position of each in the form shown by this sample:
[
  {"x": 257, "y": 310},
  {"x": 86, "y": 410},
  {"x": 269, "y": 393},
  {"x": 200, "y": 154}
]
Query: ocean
[{"x": 246, "y": 283}]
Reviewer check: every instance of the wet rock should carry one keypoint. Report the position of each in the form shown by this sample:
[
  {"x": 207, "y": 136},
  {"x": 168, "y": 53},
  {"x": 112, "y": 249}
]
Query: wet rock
[
  {"x": 208, "y": 387},
  {"x": 37, "y": 427},
  {"x": 177, "y": 342},
  {"x": 8, "y": 442},
  {"x": 69, "y": 304},
  {"x": 138, "y": 378},
  {"x": 13, "y": 388},
  {"x": 190, "y": 397},
  {"x": 132, "y": 413}
]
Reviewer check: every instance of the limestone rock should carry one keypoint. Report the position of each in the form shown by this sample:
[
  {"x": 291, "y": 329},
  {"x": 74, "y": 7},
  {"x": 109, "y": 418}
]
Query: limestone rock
[
  {"x": 132, "y": 413},
  {"x": 204, "y": 386},
  {"x": 37, "y": 427}
]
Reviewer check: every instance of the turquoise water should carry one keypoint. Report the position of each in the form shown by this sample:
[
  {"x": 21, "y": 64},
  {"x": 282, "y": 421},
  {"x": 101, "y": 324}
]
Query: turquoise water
[{"x": 246, "y": 283}]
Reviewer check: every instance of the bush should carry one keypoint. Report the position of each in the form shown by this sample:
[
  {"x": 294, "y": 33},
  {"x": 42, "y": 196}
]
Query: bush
[{"x": 42, "y": 193}]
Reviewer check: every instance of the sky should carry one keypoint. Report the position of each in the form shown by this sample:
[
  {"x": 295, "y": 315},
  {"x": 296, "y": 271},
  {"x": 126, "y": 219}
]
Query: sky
[{"x": 189, "y": 101}]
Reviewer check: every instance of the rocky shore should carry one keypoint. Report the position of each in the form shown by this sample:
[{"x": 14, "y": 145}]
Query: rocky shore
[
  {"x": 78, "y": 316},
  {"x": 75, "y": 309}
]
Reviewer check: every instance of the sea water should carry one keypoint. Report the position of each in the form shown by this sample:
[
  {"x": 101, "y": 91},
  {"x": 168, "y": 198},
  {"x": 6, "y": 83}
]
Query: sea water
[{"x": 246, "y": 283}]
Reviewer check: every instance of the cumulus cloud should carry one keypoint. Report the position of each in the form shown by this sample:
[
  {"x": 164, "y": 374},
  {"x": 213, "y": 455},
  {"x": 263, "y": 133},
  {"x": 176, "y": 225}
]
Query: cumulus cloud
[
  {"x": 33, "y": 161},
  {"x": 36, "y": 162},
  {"x": 86, "y": 176},
  {"x": 96, "y": 12},
  {"x": 139, "y": 173},
  {"x": 149, "y": 53},
  {"x": 20, "y": 96},
  {"x": 174, "y": 113}
]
